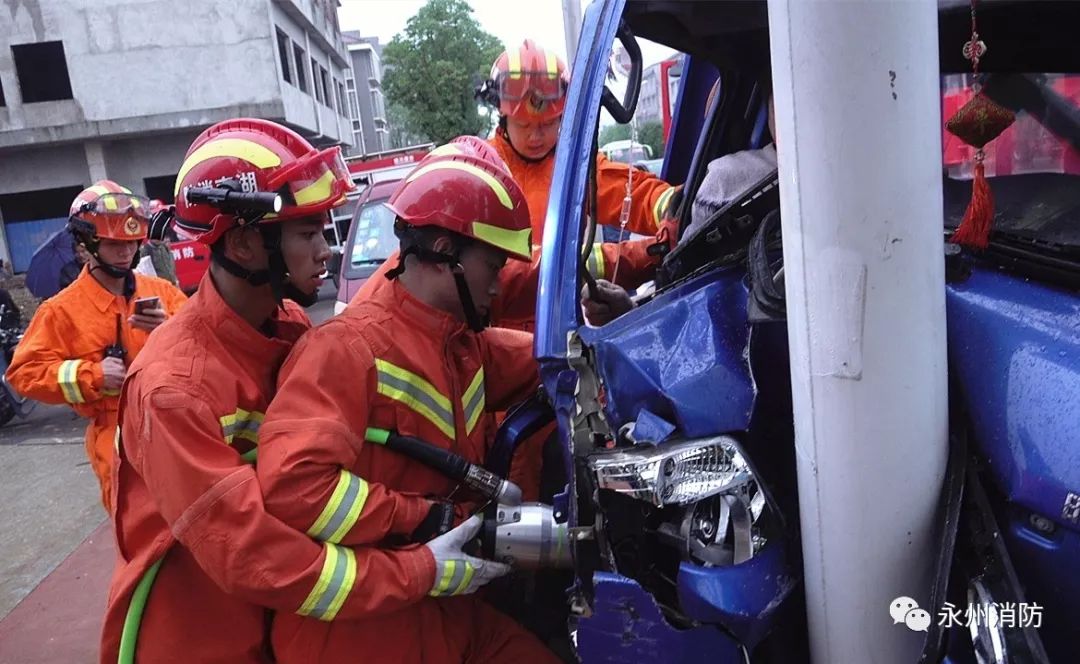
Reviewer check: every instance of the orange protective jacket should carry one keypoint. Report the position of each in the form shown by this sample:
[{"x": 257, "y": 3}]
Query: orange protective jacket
[
  {"x": 389, "y": 362},
  {"x": 59, "y": 359},
  {"x": 187, "y": 496},
  {"x": 649, "y": 194},
  {"x": 519, "y": 282}
]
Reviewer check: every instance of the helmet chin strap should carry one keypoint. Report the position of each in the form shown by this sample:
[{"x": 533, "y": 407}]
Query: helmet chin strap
[
  {"x": 93, "y": 245},
  {"x": 475, "y": 322},
  {"x": 276, "y": 273}
]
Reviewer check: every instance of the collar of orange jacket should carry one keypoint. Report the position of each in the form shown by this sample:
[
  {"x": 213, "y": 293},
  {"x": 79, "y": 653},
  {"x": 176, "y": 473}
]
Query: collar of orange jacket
[
  {"x": 439, "y": 324},
  {"x": 237, "y": 332},
  {"x": 91, "y": 289}
]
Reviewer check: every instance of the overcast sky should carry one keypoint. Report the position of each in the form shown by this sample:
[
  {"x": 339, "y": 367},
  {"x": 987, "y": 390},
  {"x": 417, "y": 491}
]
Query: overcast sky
[{"x": 511, "y": 22}]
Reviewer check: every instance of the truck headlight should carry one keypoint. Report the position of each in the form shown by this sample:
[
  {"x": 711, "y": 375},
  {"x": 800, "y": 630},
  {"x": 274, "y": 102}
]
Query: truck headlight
[{"x": 674, "y": 473}]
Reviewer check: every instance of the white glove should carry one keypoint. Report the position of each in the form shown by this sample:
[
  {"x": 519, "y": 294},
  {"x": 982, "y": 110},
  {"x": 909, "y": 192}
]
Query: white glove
[{"x": 457, "y": 573}]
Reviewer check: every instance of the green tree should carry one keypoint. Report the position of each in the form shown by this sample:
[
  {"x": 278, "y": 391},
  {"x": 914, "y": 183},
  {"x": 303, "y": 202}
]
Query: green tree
[
  {"x": 652, "y": 134},
  {"x": 432, "y": 68},
  {"x": 615, "y": 132}
]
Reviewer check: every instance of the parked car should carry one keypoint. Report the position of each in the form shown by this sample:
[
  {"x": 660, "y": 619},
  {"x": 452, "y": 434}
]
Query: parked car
[
  {"x": 370, "y": 240},
  {"x": 626, "y": 151},
  {"x": 652, "y": 165}
]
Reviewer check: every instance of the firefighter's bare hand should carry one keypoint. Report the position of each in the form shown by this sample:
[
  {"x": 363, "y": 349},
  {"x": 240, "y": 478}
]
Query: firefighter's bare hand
[
  {"x": 608, "y": 303},
  {"x": 456, "y": 572},
  {"x": 148, "y": 319},
  {"x": 114, "y": 370}
]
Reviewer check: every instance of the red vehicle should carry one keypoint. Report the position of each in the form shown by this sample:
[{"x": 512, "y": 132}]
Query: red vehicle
[
  {"x": 192, "y": 261},
  {"x": 370, "y": 241}
]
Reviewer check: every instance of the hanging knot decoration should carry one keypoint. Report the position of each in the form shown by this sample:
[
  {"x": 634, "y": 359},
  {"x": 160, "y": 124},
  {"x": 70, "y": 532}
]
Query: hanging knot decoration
[{"x": 978, "y": 122}]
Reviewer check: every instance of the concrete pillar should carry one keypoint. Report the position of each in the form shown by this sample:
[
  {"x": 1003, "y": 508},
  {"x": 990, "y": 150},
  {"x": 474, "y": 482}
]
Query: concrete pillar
[
  {"x": 95, "y": 161},
  {"x": 858, "y": 121},
  {"x": 571, "y": 27}
]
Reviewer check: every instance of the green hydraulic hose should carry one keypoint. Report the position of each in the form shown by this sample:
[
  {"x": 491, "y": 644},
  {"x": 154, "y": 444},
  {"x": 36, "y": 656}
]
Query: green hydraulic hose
[{"x": 130, "y": 636}]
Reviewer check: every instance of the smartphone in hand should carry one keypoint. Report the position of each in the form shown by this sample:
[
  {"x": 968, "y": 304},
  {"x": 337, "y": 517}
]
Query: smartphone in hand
[{"x": 144, "y": 304}]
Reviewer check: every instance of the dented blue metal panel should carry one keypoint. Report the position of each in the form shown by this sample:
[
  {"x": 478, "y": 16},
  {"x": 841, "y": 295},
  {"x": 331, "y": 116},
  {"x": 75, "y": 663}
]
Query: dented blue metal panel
[
  {"x": 1014, "y": 350},
  {"x": 627, "y": 626},
  {"x": 744, "y": 598},
  {"x": 1015, "y": 346},
  {"x": 682, "y": 356}
]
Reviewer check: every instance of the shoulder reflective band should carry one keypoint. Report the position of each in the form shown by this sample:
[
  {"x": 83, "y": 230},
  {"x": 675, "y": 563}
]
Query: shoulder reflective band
[
  {"x": 68, "y": 378},
  {"x": 416, "y": 393},
  {"x": 342, "y": 510},
  {"x": 334, "y": 585},
  {"x": 454, "y": 578},
  {"x": 129, "y": 638},
  {"x": 473, "y": 401}
]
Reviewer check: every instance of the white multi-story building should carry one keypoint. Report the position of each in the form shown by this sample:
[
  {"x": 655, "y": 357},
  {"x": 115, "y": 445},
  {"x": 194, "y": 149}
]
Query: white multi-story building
[
  {"x": 93, "y": 89},
  {"x": 363, "y": 88}
]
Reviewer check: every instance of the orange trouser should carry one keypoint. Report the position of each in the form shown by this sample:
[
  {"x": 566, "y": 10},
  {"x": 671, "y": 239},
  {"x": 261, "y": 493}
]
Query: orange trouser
[{"x": 101, "y": 450}]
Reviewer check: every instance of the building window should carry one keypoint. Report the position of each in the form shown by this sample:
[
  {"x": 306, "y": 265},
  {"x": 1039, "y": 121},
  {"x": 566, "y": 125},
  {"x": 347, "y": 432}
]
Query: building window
[
  {"x": 2, "y": 103},
  {"x": 342, "y": 109},
  {"x": 160, "y": 187},
  {"x": 328, "y": 96},
  {"x": 353, "y": 106},
  {"x": 350, "y": 84},
  {"x": 315, "y": 87},
  {"x": 283, "y": 54},
  {"x": 42, "y": 71},
  {"x": 301, "y": 64}
]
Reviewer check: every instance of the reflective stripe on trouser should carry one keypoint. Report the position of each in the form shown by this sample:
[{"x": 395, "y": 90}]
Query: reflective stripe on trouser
[
  {"x": 68, "y": 378},
  {"x": 454, "y": 578},
  {"x": 416, "y": 393},
  {"x": 342, "y": 510},
  {"x": 595, "y": 263},
  {"x": 334, "y": 585},
  {"x": 473, "y": 401}
]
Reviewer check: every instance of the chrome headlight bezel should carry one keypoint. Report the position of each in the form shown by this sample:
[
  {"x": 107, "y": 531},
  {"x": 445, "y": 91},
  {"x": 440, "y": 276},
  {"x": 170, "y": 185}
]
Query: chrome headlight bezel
[{"x": 674, "y": 473}]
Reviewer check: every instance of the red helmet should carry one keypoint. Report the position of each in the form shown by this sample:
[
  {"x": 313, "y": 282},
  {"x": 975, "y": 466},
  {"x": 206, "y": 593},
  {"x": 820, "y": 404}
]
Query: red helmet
[
  {"x": 470, "y": 145},
  {"x": 257, "y": 156},
  {"x": 107, "y": 210},
  {"x": 468, "y": 195},
  {"x": 530, "y": 83}
]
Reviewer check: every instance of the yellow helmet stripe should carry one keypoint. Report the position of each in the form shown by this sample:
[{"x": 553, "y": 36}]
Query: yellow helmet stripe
[
  {"x": 316, "y": 192},
  {"x": 514, "y": 64},
  {"x": 249, "y": 151},
  {"x": 515, "y": 243},
  {"x": 496, "y": 186},
  {"x": 444, "y": 150},
  {"x": 552, "y": 65}
]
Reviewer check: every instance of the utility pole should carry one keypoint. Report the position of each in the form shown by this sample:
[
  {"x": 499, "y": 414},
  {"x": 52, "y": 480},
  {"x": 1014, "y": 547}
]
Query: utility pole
[
  {"x": 571, "y": 11},
  {"x": 857, "y": 102}
]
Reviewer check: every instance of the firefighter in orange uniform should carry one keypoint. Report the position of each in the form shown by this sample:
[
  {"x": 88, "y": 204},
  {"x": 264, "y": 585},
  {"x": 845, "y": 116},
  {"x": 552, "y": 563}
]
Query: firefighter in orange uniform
[
  {"x": 528, "y": 87},
  {"x": 81, "y": 341},
  {"x": 201, "y": 563},
  {"x": 414, "y": 358}
]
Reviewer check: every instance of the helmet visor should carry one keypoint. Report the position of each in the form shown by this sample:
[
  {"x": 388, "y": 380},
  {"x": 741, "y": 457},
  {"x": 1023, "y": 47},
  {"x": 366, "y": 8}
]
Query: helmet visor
[
  {"x": 116, "y": 216},
  {"x": 315, "y": 183},
  {"x": 118, "y": 205},
  {"x": 539, "y": 86}
]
